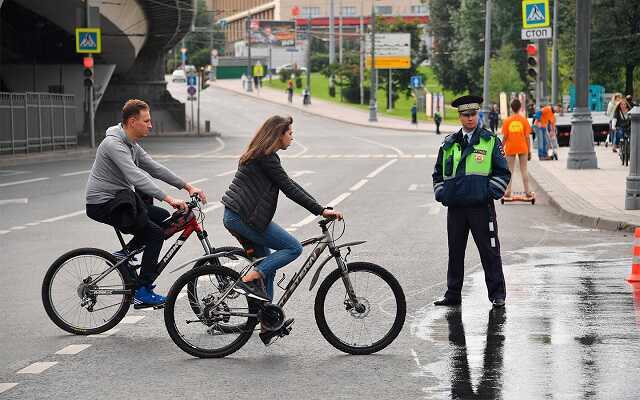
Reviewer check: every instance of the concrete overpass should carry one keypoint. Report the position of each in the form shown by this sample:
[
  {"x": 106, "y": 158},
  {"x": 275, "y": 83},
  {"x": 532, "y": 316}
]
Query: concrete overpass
[{"x": 37, "y": 53}]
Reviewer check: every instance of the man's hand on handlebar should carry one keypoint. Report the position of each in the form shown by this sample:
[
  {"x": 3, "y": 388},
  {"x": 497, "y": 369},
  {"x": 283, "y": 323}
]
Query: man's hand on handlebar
[
  {"x": 194, "y": 190},
  {"x": 332, "y": 214},
  {"x": 176, "y": 203}
]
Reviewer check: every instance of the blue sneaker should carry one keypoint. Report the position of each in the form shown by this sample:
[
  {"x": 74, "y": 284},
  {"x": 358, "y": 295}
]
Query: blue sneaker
[{"x": 145, "y": 295}]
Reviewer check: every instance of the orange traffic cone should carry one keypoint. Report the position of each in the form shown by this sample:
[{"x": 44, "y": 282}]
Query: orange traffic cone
[{"x": 635, "y": 262}]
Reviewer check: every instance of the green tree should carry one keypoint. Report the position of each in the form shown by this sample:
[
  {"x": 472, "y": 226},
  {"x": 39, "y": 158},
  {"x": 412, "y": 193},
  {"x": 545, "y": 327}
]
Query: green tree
[
  {"x": 504, "y": 74},
  {"x": 469, "y": 49},
  {"x": 449, "y": 72}
]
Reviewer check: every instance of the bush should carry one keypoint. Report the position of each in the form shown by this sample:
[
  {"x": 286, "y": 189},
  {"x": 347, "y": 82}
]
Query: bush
[
  {"x": 298, "y": 81},
  {"x": 285, "y": 75},
  {"x": 319, "y": 62},
  {"x": 352, "y": 94}
]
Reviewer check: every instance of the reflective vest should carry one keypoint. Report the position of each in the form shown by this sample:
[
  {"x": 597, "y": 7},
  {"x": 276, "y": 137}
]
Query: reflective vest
[{"x": 478, "y": 162}]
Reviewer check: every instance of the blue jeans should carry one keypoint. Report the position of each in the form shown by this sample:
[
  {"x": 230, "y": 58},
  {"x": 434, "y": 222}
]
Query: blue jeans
[
  {"x": 287, "y": 248},
  {"x": 543, "y": 141}
]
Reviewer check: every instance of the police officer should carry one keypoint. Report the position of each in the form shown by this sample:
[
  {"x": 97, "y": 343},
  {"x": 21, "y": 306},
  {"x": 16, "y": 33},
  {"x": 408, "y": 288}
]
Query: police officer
[{"x": 470, "y": 173}]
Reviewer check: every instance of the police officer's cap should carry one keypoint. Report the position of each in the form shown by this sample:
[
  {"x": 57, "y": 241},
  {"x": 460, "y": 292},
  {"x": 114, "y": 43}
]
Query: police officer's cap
[{"x": 467, "y": 103}]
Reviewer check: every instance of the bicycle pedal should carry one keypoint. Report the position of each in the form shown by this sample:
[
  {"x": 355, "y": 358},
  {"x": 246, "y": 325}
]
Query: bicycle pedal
[{"x": 144, "y": 305}]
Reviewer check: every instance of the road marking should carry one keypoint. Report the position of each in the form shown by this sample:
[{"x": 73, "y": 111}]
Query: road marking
[
  {"x": 21, "y": 182},
  {"x": 291, "y": 229},
  {"x": 233, "y": 171},
  {"x": 296, "y": 174},
  {"x": 307, "y": 156},
  {"x": 386, "y": 146},
  {"x": 23, "y": 200},
  {"x": 73, "y": 214},
  {"x": 335, "y": 156},
  {"x": 6, "y": 386},
  {"x": 198, "y": 181},
  {"x": 105, "y": 334},
  {"x": 392, "y": 156},
  {"x": 131, "y": 319},
  {"x": 434, "y": 208},
  {"x": 364, "y": 156},
  {"x": 4, "y": 232},
  {"x": 433, "y": 156},
  {"x": 321, "y": 156},
  {"x": 76, "y": 173},
  {"x": 219, "y": 149},
  {"x": 305, "y": 221},
  {"x": 32, "y": 223},
  {"x": 382, "y": 168},
  {"x": 358, "y": 185},
  {"x": 37, "y": 367},
  {"x": 338, "y": 199},
  {"x": 73, "y": 349},
  {"x": 304, "y": 149},
  {"x": 12, "y": 172},
  {"x": 413, "y": 187},
  {"x": 420, "y": 156},
  {"x": 378, "y": 156},
  {"x": 17, "y": 228},
  {"x": 212, "y": 207}
]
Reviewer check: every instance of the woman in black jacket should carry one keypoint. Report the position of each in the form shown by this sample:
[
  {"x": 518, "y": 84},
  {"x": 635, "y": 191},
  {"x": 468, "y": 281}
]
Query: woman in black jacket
[{"x": 251, "y": 200}]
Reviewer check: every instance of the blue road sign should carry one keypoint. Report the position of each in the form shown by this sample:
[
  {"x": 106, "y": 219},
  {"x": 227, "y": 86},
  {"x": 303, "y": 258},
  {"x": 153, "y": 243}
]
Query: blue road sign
[
  {"x": 88, "y": 40},
  {"x": 416, "y": 81},
  {"x": 191, "y": 80},
  {"x": 191, "y": 90}
]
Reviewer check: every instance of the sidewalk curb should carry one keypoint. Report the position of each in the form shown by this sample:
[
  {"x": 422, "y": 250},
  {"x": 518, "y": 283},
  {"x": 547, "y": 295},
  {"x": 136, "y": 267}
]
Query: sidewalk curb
[
  {"x": 331, "y": 117},
  {"x": 574, "y": 207}
]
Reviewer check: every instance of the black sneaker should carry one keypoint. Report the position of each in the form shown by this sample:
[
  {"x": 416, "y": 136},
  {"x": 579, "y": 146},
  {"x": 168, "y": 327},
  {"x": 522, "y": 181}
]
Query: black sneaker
[
  {"x": 253, "y": 289},
  {"x": 268, "y": 336}
]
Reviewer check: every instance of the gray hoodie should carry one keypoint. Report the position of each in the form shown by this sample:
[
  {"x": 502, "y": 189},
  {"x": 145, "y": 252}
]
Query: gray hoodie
[{"x": 120, "y": 164}]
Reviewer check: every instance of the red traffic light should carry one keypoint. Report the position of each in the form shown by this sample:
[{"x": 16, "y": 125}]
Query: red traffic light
[
  {"x": 532, "y": 50},
  {"x": 87, "y": 62}
]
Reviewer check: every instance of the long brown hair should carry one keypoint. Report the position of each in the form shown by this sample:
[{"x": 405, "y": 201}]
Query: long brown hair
[{"x": 267, "y": 138}]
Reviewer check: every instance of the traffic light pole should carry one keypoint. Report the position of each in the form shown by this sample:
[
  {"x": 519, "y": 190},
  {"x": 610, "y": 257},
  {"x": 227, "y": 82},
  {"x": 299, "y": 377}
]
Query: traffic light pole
[
  {"x": 249, "y": 72},
  {"x": 538, "y": 81},
  {"x": 90, "y": 112}
]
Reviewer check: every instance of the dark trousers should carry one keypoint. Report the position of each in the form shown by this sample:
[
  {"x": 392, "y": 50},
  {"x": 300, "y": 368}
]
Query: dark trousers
[
  {"x": 151, "y": 235},
  {"x": 484, "y": 228}
]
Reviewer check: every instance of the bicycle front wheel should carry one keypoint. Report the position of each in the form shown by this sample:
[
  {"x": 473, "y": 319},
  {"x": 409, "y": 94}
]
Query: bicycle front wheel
[
  {"x": 374, "y": 323},
  {"x": 69, "y": 293},
  {"x": 213, "y": 332}
]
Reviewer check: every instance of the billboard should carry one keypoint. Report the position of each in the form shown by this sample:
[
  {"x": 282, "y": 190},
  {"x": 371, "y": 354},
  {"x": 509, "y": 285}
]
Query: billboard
[
  {"x": 276, "y": 33},
  {"x": 393, "y": 51}
]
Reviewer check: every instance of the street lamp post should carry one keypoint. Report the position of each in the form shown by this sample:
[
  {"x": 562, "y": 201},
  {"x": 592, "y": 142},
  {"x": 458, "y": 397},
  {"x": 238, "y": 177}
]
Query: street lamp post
[
  {"x": 581, "y": 153},
  {"x": 362, "y": 50},
  {"x": 249, "y": 72},
  {"x": 487, "y": 63},
  {"x": 309, "y": 56},
  {"x": 373, "y": 117}
]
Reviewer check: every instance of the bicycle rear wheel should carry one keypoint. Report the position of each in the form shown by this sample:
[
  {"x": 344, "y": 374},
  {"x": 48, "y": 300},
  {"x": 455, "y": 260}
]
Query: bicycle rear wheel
[
  {"x": 363, "y": 330},
  {"x": 208, "y": 334},
  {"x": 67, "y": 292}
]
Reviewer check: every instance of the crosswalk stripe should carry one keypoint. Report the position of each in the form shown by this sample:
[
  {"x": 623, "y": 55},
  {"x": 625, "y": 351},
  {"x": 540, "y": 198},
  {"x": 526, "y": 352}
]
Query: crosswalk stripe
[
  {"x": 73, "y": 349},
  {"x": 37, "y": 367},
  {"x": 105, "y": 334},
  {"x": 131, "y": 319},
  {"x": 6, "y": 386}
]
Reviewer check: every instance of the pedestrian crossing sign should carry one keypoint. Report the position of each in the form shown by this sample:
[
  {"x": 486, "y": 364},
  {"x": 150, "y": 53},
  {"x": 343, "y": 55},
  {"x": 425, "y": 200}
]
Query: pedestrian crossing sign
[
  {"x": 88, "y": 40},
  {"x": 535, "y": 14}
]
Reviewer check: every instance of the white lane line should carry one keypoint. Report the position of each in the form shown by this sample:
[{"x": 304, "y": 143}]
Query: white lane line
[
  {"x": 4, "y": 232},
  {"x": 413, "y": 187},
  {"x": 131, "y": 319},
  {"x": 73, "y": 349},
  {"x": 433, "y": 156},
  {"x": 307, "y": 156},
  {"x": 32, "y": 223},
  {"x": 321, "y": 156},
  {"x": 391, "y": 156},
  {"x": 37, "y": 367},
  {"x": 198, "y": 181},
  {"x": 382, "y": 168},
  {"x": 212, "y": 207},
  {"x": 338, "y": 199},
  {"x": 233, "y": 171},
  {"x": 25, "y": 181},
  {"x": 364, "y": 156},
  {"x": 378, "y": 156},
  {"x": 386, "y": 146},
  {"x": 309, "y": 219},
  {"x": 105, "y": 334},
  {"x": 358, "y": 185},
  {"x": 349, "y": 156},
  {"x": 76, "y": 173},
  {"x": 6, "y": 386},
  {"x": 17, "y": 228},
  {"x": 304, "y": 149},
  {"x": 219, "y": 149},
  {"x": 291, "y": 229},
  {"x": 335, "y": 156},
  {"x": 73, "y": 214},
  {"x": 420, "y": 156},
  {"x": 23, "y": 200}
]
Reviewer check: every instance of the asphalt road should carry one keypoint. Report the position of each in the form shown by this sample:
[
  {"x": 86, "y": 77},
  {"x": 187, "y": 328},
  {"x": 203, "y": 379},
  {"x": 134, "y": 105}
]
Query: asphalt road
[{"x": 380, "y": 179}]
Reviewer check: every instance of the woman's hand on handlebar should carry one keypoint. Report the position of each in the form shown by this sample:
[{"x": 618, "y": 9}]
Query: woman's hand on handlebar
[
  {"x": 194, "y": 190},
  {"x": 176, "y": 203},
  {"x": 332, "y": 214}
]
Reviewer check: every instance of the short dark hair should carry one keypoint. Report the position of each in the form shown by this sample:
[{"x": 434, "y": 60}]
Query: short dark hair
[
  {"x": 516, "y": 105},
  {"x": 132, "y": 108}
]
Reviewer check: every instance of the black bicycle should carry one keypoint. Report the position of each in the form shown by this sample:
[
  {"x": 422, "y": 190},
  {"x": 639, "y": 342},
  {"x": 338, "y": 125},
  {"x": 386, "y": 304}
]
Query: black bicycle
[
  {"x": 88, "y": 290},
  {"x": 359, "y": 307},
  {"x": 625, "y": 147}
]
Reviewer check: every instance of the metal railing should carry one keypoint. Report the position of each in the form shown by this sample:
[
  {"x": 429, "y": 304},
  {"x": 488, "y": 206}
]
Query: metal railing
[{"x": 36, "y": 122}]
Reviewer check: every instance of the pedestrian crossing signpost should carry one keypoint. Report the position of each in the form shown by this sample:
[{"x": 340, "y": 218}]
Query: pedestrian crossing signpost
[
  {"x": 88, "y": 40},
  {"x": 535, "y": 14}
]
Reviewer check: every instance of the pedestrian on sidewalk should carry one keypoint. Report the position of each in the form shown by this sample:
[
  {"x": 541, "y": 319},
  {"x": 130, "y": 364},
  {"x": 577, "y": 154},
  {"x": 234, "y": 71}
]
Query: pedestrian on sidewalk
[
  {"x": 290, "y": 91},
  {"x": 611, "y": 108},
  {"x": 517, "y": 144},
  {"x": 494, "y": 119},
  {"x": 542, "y": 137},
  {"x": 623, "y": 123},
  {"x": 437, "y": 118},
  {"x": 258, "y": 73},
  {"x": 306, "y": 97},
  {"x": 470, "y": 173}
]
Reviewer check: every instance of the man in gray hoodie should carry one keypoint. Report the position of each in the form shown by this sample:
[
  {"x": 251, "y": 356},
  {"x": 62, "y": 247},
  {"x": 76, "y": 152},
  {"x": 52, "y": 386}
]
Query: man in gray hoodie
[{"x": 121, "y": 166}]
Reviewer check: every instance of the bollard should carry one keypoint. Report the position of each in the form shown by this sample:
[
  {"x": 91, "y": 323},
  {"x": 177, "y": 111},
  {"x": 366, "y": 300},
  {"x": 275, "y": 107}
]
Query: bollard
[
  {"x": 207, "y": 126},
  {"x": 632, "y": 197}
]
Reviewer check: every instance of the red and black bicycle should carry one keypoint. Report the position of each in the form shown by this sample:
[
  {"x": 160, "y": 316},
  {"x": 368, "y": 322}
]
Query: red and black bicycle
[{"x": 88, "y": 290}]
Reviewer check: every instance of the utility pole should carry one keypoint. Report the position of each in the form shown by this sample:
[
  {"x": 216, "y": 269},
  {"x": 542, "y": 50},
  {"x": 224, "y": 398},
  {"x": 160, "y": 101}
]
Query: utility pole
[
  {"x": 554, "y": 56},
  {"x": 362, "y": 50},
  {"x": 90, "y": 110},
  {"x": 581, "y": 153},
  {"x": 309, "y": 54},
  {"x": 487, "y": 63},
  {"x": 249, "y": 72},
  {"x": 332, "y": 33},
  {"x": 373, "y": 117},
  {"x": 340, "y": 41}
]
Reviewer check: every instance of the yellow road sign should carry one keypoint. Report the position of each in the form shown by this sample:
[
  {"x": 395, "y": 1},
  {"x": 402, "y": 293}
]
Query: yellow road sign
[
  {"x": 390, "y": 62},
  {"x": 535, "y": 14}
]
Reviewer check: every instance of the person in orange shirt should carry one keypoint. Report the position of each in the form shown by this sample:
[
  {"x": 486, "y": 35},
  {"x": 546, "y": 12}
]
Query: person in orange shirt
[
  {"x": 548, "y": 121},
  {"x": 516, "y": 131}
]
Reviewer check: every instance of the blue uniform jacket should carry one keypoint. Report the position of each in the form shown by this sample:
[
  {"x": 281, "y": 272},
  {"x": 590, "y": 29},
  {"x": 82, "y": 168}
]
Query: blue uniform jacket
[{"x": 471, "y": 190}]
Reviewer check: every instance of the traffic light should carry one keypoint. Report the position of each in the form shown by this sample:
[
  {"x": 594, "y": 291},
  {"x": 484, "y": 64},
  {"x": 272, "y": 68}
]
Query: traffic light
[
  {"x": 532, "y": 61},
  {"x": 88, "y": 71}
]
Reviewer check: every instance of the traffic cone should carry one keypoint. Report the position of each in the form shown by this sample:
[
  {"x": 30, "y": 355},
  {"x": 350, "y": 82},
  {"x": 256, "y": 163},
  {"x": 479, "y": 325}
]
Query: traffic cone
[{"x": 635, "y": 262}]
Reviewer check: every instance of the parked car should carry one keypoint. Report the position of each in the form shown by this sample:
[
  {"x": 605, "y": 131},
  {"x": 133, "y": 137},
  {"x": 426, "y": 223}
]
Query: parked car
[
  {"x": 289, "y": 67},
  {"x": 599, "y": 124},
  {"x": 178, "y": 76}
]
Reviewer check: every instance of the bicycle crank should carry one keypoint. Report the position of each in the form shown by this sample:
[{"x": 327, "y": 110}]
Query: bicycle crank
[{"x": 271, "y": 316}]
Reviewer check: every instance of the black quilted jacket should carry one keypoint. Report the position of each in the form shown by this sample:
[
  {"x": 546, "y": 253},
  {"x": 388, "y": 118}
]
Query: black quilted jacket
[{"x": 253, "y": 193}]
